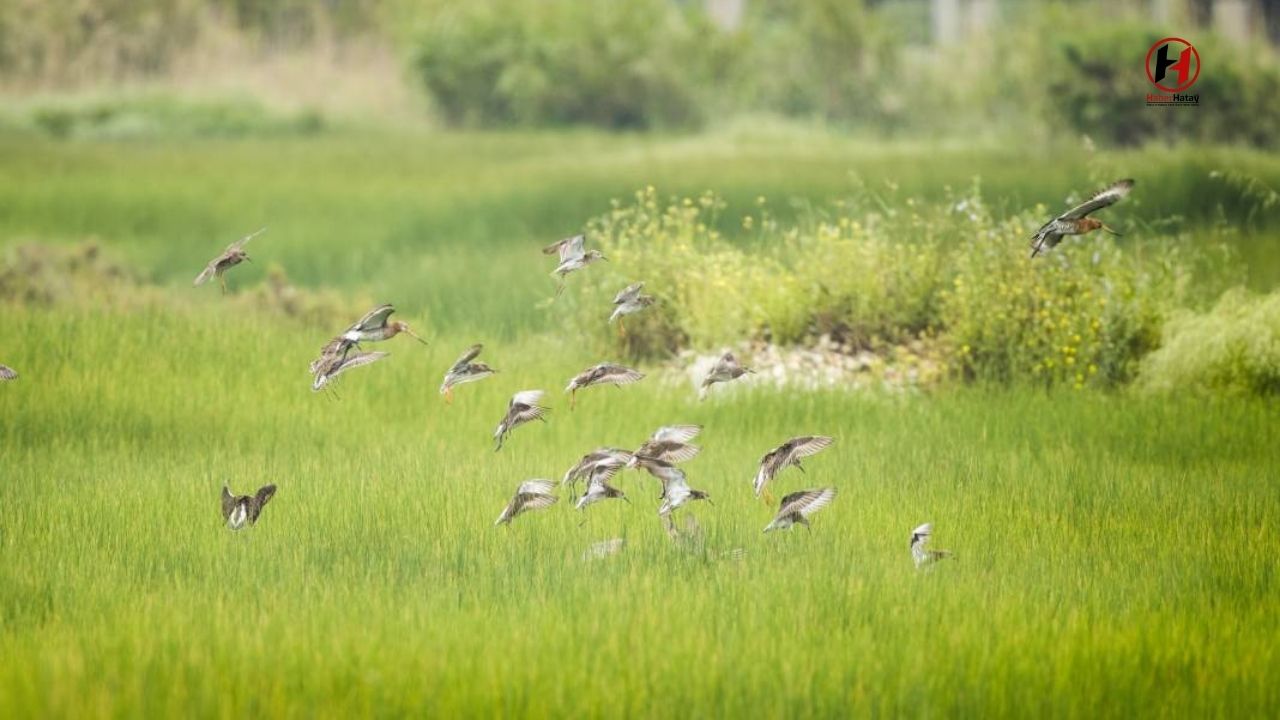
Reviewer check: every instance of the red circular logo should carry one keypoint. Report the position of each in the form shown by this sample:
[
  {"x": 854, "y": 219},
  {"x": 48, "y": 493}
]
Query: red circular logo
[{"x": 1173, "y": 64}]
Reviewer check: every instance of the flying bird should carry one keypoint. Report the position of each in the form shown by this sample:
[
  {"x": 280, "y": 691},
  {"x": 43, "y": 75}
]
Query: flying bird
[
  {"x": 531, "y": 495},
  {"x": 8, "y": 373},
  {"x": 573, "y": 257},
  {"x": 238, "y": 511},
  {"x": 602, "y": 374},
  {"x": 1076, "y": 221},
  {"x": 232, "y": 256},
  {"x": 798, "y": 506},
  {"x": 629, "y": 301},
  {"x": 523, "y": 408},
  {"x": 669, "y": 444},
  {"x": 376, "y": 326},
  {"x": 726, "y": 368},
  {"x": 922, "y": 554},
  {"x": 465, "y": 370},
  {"x": 676, "y": 493},
  {"x": 589, "y": 462},
  {"x": 787, "y": 454},
  {"x": 329, "y": 367},
  {"x": 598, "y": 487}
]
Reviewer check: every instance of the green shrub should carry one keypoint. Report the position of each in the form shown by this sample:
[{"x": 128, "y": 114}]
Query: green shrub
[
  {"x": 145, "y": 116},
  {"x": 1235, "y": 347},
  {"x": 878, "y": 272},
  {"x": 618, "y": 65}
]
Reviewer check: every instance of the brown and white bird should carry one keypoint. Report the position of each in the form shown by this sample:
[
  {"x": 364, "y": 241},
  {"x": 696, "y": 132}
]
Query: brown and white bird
[
  {"x": 589, "y": 462},
  {"x": 373, "y": 327},
  {"x": 922, "y": 554},
  {"x": 676, "y": 492},
  {"x": 726, "y": 368},
  {"x": 573, "y": 257},
  {"x": 243, "y": 510},
  {"x": 1076, "y": 221},
  {"x": 602, "y": 374},
  {"x": 629, "y": 301},
  {"x": 8, "y": 373},
  {"x": 523, "y": 408},
  {"x": 669, "y": 444},
  {"x": 788, "y": 454},
  {"x": 465, "y": 370},
  {"x": 598, "y": 487},
  {"x": 328, "y": 367},
  {"x": 232, "y": 256},
  {"x": 531, "y": 495},
  {"x": 798, "y": 506}
]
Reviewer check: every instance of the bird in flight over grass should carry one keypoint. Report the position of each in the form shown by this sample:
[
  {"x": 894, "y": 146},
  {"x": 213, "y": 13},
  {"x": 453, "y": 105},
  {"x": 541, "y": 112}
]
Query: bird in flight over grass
[
  {"x": 573, "y": 257},
  {"x": 785, "y": 455},
  {"x": 523, "y": 408},
  {"x": 242, "y": 510},
  {"x": 598, "y": 487},
  {"x": 589, "y": 462},
  {"x": 629, "y": 301},
  {"x": 329, "y": 367},
  {"x": 920, "y": 552},
  {"x": 8, "y": 373},
  {"x": 1076, "y": 221},
  {"x": 602, "y": 374},
  {"x": 726, "y": 368},
  {"x": 676, "y": 492},
  {"x": 531, "y": 495},
  {"x": 232, "y": 256},
  {"x": 669, "y": 444},
  {"x": 465, "y": 370},
  {"x": 798, "y": 506},
  {"x": 375, "y": 326}
]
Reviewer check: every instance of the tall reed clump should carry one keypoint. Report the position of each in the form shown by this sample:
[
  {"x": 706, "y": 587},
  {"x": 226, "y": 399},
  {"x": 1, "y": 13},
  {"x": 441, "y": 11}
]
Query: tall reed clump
[{"x": 874, "y": 272}]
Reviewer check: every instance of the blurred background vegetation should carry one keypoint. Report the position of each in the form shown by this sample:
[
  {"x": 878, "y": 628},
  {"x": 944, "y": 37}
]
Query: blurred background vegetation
[{"x": 873, "y": 167}]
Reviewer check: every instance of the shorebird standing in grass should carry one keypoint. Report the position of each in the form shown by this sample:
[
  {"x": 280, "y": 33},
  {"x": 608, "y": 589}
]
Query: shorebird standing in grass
[
  {"x": 328, "y": 367},
  {"x": 669, "y": 444},
  {"x": 785, "y": 455},
  {"x": 242, "y": 510},
  {"x": 8, "y": 373},
  {"x": 602, "y": 374},
  {"x": 922, "y": 554},
  {"x": 726, "y": 368},
  {"x": 523, "y": 408},
  {"x": 573, "y": 257},
  {"x": 531, "y": 495},
  {"x": 629, "y": 302},
  {"x": 589, "y": 462},
  {"x": 465, "y": 371},
  {"x": 598, "y": 487},
  {"x": 798, "y": 506},
  {"x": 232, "y": 256},
  {"x": 1076, "y": 221}
]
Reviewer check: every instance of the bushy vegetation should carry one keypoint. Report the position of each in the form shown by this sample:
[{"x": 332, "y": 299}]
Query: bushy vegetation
[
  {"x": 150, "y": 116},
  {"x": 875, "y": 271},
  {"x": 1232, "y": 348}
]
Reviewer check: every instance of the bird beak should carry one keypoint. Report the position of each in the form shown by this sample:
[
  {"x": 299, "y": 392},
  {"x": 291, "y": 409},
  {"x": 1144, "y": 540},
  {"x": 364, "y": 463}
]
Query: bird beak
[
  {"x": 604, "y": 258},
  {"x": 1110, "y": 230},
  {"x": 414, "y": 335},
  {"x": 248, "y": 259}
]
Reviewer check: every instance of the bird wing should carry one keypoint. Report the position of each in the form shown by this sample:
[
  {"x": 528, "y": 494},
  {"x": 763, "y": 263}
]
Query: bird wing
[
  {"x": 602, "y": 472},
  {"x": 802, "y": 447},
  {"x": 676, "y": 433},
  {"x": 355, "y": 361},
  {"x": 245, "y": 240},
  {"x": 678, "y": 452},
  {"x": 536, "y": 487},
  {"x": 1109, "y": 195},
  {"x": 264, "y": 494},
  {"x": 527, "y": 397},
  {"x": 628, "y": 293},
  {"x": 228, "y": 503},
  {"x": 921, "y": 534},
  {"x": 208, "y": 272},
  {"x": 617, "y": 374},
  {"x": 534, "y": 501},
  {"x": 374, "y": 319},
  {"x": 521, "y": 414},
  {"x": 471, "y": 354},
  {"x": 7, "y": 373},
  {"x": 806, "y": 502}
]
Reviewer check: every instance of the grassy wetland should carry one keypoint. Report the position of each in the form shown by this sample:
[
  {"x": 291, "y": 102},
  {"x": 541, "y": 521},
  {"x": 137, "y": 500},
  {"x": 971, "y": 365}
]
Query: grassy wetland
[{"x": 1113, "y": 548}]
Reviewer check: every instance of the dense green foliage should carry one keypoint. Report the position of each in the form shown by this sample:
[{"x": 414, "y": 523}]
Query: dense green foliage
[{"x": 1103, "y": 545}]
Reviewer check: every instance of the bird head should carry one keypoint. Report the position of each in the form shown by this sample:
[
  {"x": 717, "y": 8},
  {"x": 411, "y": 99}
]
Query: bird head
[
  {"x": 479, "y": 367},
  {"x": 402, "y": 327},
  {"x": 596, "y": 255}
]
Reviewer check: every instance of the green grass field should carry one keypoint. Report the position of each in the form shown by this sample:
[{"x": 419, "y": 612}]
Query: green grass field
[{"x": 1115, "y": 553}]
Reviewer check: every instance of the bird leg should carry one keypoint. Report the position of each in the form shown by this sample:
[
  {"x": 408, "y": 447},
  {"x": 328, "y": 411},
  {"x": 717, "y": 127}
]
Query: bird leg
[
  {"x": 223, "y": 282},
  {"x": 573, "y": 394},
  {"x": 766, "y": 496},
  {"x": 448, "y": 396},
  {"x": 622, "y": 328}
]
